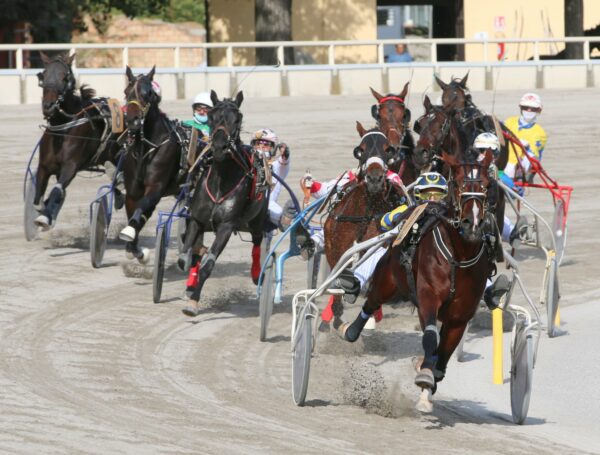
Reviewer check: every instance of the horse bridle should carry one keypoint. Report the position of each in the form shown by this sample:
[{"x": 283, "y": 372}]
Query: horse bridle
[
  {"x": 395, "y": 126},
  {"x": 365, "y": 165},
  {"x": 143, "y": 106},
  {"x": 464, "y": 195},
  {"x": 69, "y": 85},
  {"x": 444, "y": 132}
]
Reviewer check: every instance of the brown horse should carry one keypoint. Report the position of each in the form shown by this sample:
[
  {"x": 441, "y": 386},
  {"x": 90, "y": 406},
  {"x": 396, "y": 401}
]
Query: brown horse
[
  {"x": 457, "y": 100},
  {"x": 355, "y": 215},
  {"x": 442, "y": 269},
  {"x": 77, "y": 136},
  {"x": 393, "y": 118}
]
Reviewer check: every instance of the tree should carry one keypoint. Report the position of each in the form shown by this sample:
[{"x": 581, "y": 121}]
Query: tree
[
  {"x": 273, "y": 23},
  {"x": 574, "y": 27}
]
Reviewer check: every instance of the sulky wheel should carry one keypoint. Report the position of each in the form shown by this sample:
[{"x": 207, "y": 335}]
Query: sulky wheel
[
  {"x": 521, "y": 373},
  {"x": 559, "y": 228},
  {"x": 98, "y": 231},
  {"x": 552, "y": 297},
  {"x": 160, "y": 254},
  {"x": 267, "y": 295},
  {"x": 301, "y": 354}
]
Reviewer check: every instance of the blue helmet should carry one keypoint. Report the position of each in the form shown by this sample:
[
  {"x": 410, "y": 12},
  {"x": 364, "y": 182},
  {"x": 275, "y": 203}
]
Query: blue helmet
[{"x": 430, "y": 186}]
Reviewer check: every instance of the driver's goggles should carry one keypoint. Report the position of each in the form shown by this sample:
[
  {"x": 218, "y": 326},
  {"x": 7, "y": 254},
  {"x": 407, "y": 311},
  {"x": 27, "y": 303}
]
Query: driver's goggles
[{"x": 264, "y": 143}]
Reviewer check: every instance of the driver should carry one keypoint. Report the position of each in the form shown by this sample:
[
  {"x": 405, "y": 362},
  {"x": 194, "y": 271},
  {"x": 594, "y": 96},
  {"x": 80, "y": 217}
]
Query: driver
[{"x": 201, "y": 106}]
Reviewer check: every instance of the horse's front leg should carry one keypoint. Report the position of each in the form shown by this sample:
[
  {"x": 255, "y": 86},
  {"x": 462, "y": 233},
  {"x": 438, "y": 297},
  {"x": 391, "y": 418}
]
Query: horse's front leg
[
  {"x": 143, "y": 210},
  {"x": 56, "y": 198},
  {"x": 450, "y": 337},
  {"x": 207, "y": 264}
]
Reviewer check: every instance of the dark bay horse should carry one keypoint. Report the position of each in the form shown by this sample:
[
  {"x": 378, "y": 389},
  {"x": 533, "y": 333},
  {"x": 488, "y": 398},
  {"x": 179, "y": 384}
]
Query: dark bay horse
[
  {"x": 226, "y": 198},
  {"x": 442, "y": 269},
  {"x": 76, "y": 138},
  {"x": 456, "y": 99},
  {"x": 393, "y": 118},
  {"x": 356, "y": 214},
  {"x": 441, "y": 131},
  {"x": 152, "y": 159}
]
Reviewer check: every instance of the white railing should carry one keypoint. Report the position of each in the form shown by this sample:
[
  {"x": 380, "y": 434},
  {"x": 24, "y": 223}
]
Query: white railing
[{"x": 282, "y": 45}]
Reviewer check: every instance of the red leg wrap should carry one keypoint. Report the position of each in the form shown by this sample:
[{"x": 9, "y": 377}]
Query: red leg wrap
[
  {"x": 255, "y": 269},
  {"x": 378, "y": 314},
  {"x": 327, "y": 313},
  {"x": 193, "y": 279}
]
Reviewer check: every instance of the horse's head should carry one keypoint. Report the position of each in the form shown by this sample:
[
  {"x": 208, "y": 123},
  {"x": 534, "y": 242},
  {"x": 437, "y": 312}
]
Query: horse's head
[
  {"x": 433, "y": 128},
  {"x": 57, "y": 81},
  {"x": 469, "y": 184},
  {"x": 455, "y": 95},
  {"x": 373, "y": 152},
  {"x": 140, "y": 97},
  {"x": 392, "y": 116},
  {"x": 225, "y": 120}
]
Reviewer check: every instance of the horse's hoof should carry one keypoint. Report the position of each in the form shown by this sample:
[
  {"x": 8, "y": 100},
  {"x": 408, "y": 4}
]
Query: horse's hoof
[
  {"x": 425, "y": 379},
  {"x": 127, "y": 234},
  {"x": 370, "y": 325},
  {"x": 42, "y": 221},
  {"x": 192, "y": 310},
  {"x": 425, "y": 403},
  {"x": 144, "y": 256},
  {"x": 324, "y": 327}
]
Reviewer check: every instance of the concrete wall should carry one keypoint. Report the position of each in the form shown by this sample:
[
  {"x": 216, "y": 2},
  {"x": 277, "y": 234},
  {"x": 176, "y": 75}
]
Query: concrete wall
[{"x": 319, "y": 80}]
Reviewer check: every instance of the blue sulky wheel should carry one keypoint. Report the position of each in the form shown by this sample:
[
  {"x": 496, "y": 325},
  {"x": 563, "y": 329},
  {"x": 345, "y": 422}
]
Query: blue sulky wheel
[
  {"x": 521, "y": 372},
  {"x": 98, "y": 232},
  {"x": 267, "y": 294},
  {"x": 31, "y": 230},
  {"x": 160, "y": 255},
  {"x": 301, "y": 354}
]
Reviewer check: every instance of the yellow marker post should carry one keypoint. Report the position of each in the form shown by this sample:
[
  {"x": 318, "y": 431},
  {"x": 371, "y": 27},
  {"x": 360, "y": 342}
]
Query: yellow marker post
[
  {"x": 557, "y": 318},
  {"x": 497, "y": 354}
]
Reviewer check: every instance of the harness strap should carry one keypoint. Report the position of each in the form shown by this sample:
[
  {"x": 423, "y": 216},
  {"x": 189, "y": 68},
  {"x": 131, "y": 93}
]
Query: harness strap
[
  {"x": 229, "y": 193},
  {"x": 66, "y": 126},
  {"x": 391, "y": 98}
]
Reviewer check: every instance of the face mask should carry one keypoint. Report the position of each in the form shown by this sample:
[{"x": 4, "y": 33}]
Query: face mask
[
  {"x": 200, "y": 118},
  {"x": 529, "y": 116}
]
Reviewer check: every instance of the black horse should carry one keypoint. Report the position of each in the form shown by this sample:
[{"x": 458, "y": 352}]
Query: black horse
[
  {"x": 152, "y": 159},
  {"x": 226, "y": 198},
  {"x": 77, "y": 136}
]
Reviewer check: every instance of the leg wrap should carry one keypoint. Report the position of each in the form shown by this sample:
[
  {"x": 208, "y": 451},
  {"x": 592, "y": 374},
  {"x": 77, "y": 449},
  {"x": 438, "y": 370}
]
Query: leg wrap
[
  {"x": 54, "y": 201},
  {"x": 431, "y": 339},
  {"x": 353, "y": 331}
]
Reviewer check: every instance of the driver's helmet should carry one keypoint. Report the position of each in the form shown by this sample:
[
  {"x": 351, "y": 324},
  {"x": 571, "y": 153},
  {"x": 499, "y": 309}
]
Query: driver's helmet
[
  {"x": 485, "y": 141},
  {"x": 202, "y": 98},
  {"x": 264, "y": 140},
  {"x": 156, "y": 89},
  {"x": 430, "y": 186},
  {"x": 531, "y": 100}
]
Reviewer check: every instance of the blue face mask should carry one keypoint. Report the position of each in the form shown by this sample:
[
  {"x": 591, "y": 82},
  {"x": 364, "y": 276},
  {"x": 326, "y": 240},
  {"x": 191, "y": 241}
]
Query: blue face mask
[{"x": 200, "y": 118}]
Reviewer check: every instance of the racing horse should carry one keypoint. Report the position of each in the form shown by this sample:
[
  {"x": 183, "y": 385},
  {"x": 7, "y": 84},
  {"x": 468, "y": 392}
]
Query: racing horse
[
  {"x": 359, "y": 206},
  {"x": 77, "y": 136},
  {"x": 442, "y": 268},
  {"x": 393, "y": 118},
  {"x": 441, "y": 131},
  {"x": 457, "y": 100},
  {"x": 152, "y": 159},
  {"x": 228, "y": 196}
]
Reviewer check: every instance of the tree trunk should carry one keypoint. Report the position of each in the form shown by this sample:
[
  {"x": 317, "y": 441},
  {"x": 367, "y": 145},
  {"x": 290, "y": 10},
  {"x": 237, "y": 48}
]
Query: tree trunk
[
  {"x": 273, "y": 23},
  {"x": 574, "y": 27}
]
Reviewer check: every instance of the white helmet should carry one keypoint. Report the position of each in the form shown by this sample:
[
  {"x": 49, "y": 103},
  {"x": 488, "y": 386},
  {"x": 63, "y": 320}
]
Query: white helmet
[
  {"x": 531, "y": 100},
  {"x": 265, "y": 134},
  {"x": 487, "y": 141},
  {"x": 156, "y": 88},
  {"x": 203, "y": 98}
]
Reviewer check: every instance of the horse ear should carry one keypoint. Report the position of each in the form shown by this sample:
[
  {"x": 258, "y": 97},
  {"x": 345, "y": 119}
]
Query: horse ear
[
  {"x": 129, "y": 74},
  {"x": 463, "y": 81},
  {"x": 440, "y": 82},
  {"x": 377, "y": 96},
  {"x": 151, "y": 73},
  {"x": 69, "y": 59},
  {"x": 361, "y": 130},
  {"x": 214, "y": 98},
  {"x": 427, "y": 104},
  {"x": 45, "y": 59},
  {"x": 404, "y": 91},
  {"x": 239, "y": 98}
]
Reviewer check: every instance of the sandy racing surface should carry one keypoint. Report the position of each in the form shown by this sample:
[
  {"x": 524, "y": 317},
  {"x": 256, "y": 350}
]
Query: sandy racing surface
[{"x": 88, "y": 364}]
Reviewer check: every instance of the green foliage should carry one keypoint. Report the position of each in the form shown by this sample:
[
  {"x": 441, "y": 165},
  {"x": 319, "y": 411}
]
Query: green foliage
[{"x": 184, "y": 11}]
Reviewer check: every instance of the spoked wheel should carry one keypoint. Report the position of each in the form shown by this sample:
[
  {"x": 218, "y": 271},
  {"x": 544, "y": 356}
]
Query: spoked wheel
[
  {"x": 267, "y": 294},
  {"x": 98, "y": 231},
  {"x": 31, "y": 230},
  {"x": 559, "y": 226},
  {"x": 552, "y": 297},
  {"x": 301, "y": 358},
  {"x": 521, "y": 373},
  {"x": 313, "y": 266},
  {"x": 160, "y": 254}
]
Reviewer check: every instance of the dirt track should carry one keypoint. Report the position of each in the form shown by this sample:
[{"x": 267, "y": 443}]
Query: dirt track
[{"x": 89, "y": 365}]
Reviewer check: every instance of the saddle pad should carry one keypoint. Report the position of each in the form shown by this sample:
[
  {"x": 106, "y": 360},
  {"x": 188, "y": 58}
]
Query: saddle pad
[
  {"x": 191, "y": 155},
  {"x": 408, "y": 223},
  {"x": 116, "y": 115},
  {"x": 499, "y": 132}
]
